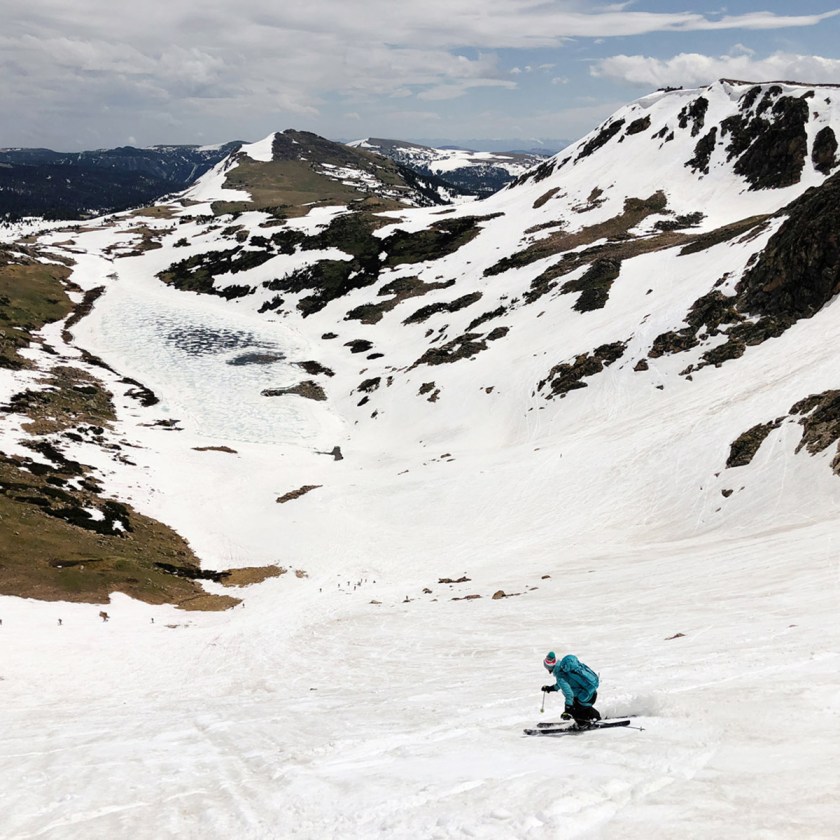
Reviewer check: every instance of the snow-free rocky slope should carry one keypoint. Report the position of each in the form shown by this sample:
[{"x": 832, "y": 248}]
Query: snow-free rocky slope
[{"x": 596, "y": 412}]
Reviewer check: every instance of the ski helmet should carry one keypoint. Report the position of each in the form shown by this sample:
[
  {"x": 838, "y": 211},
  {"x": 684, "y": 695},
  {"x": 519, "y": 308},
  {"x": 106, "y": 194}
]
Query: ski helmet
[{"x": 550, "y": 660}]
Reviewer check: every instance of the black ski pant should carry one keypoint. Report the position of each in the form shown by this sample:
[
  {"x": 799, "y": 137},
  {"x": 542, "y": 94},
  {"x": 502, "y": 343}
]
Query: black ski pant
[{"x": 585, "y": 714}]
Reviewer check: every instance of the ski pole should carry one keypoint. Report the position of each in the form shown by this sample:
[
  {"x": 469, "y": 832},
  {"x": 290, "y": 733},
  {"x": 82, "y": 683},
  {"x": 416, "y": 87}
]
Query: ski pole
[{"x": 542, "y": 708}]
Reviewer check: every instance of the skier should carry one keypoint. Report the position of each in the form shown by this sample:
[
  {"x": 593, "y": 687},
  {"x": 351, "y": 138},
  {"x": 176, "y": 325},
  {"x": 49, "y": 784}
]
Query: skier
[{"x": 579, "y": 684}]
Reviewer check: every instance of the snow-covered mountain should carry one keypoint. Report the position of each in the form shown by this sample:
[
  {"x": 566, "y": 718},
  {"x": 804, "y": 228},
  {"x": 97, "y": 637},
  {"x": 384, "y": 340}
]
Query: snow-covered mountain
[
  {"x": 479, "y": 173},
  {"x": 290, "y": 171},
  {"x": 596, "y": 412}
]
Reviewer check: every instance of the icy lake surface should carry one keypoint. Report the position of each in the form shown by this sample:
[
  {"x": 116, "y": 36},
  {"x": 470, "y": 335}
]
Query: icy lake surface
[{"x": 207, "y": 364}]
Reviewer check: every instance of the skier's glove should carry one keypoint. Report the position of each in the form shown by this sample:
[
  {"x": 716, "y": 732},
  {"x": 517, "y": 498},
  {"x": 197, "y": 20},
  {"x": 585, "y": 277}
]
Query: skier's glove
[{"x": 549, "y": 688}]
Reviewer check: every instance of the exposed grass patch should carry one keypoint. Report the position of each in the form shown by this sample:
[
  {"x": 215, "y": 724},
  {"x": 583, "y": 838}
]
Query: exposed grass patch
[
  {"x": 31, "y": 295},
  {"x": 149, "y": 240},
  {"x": 291, "y": 187},
  {"x": 249, "y": 575},
  {"x": 71, "y": 397},
  {"x": 401, "y": 289},
  {"x": 635, "y": 211},
  {"x": 722, "y": 234},
  {"x": 53, "y": 549},
  {"x": 545, "y": 197},
  {"x": 158, "y": 211}
]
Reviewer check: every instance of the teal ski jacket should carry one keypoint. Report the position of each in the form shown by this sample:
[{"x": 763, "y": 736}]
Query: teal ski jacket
[{"x": 576, "y": 680}]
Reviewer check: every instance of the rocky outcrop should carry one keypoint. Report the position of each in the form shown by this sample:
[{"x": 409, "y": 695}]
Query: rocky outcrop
[
  {"x": 819, "y": 416},
  {"x": 595, "y": 285},
  {"x": 314, "y": 368},
  {"x": 703, "y": 152},
  {"x": 742, "y": 450},
  {"x": 426, "y": 312},
  {"x": 639, "y": 125},
  {"x": 601, "y": 138},
  {"x": 569, "y": 376},
  {"x": 799, "y": 270},
  {"x": 308, "y": 389},
  {"x": 770, "y": 149},
  {"x": 463, "y": 347},
  {"x": 794, "y": 277},
  {"x": 824, "y": 151},
  {"x": 694, "y": 113},
  {"x": 820, "y": 424}
]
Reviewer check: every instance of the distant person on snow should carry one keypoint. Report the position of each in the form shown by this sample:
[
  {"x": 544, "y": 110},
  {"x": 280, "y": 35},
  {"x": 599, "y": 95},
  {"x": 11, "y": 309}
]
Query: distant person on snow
[{"x": 579, "y": 684}]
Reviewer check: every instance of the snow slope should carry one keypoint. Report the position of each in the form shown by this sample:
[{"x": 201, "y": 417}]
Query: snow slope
[{"x": 359, "y": 695}]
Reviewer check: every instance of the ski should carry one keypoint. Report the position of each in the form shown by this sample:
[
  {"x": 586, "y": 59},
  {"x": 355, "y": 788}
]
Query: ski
[
  {"x": 547, "y": 724},
  {"x": 573, "y": 730}
]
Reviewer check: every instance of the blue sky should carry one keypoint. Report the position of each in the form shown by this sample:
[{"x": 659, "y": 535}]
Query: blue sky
[{"x": 101, "y": 73}]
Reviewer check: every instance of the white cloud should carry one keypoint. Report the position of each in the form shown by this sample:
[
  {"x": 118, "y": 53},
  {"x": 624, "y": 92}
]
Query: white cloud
[
  {"x": 456, "y": 89},
  {"x": 196, "y": 64},
  {"x": 694, "y": 69}
]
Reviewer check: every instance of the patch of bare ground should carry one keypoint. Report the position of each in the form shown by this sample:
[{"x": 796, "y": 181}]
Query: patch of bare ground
[
  {"x": 308, "y": 389},
  {"x": 31, "y": 295},
  {"x": 400, "y": 289},
  {"x": 546, "y": 196},
  {"x": 159, "y": 211},
  {"x": 215, "y": 449},
  {"x": 149, "y": 241},
  {"x": 609, "y": 253},
  {"x": 292, "y": 188},
  {"x": 70, "y": 397},
  {"x": 636, "y": 210},
  {"x": 296, "y": 494},
  {"x": 250, "y": 575},
  {"x": 81, "y": 310},
  {"x": 752, "y": 226},
  {"x": 61, "y": 541}
]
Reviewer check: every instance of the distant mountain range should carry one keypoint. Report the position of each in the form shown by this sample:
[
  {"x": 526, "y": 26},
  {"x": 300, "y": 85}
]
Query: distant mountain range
[
  {"x": 72, "y": 185},
  {"x": 476, "y": 173},
  {"x": 531, "y": 145}
]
